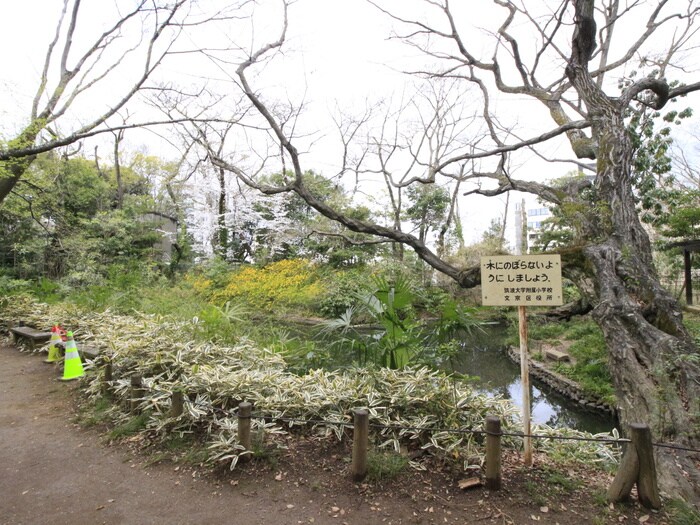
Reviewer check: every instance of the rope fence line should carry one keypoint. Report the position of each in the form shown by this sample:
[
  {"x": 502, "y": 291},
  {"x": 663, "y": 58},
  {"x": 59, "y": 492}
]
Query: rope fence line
[
  {"x": 675, "y": 447},
  {"x": 616, "y": 441},
  {"x": 466, "y": 431},
  {"x": 637, "y": 466}
]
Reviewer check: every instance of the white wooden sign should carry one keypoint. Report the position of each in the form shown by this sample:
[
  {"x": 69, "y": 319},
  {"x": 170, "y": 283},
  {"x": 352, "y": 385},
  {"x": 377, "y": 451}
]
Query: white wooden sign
[{"x": 521, "y": 280}]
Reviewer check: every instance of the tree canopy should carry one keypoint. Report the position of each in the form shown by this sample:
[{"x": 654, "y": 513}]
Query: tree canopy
[{"x": 579, "y": 83}]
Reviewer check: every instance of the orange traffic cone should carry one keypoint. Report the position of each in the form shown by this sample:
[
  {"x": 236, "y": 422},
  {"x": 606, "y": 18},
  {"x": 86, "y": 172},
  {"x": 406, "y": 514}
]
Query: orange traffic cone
[
  {"x": 72, "y": 365},
  {"x": 54, "y": 350}
]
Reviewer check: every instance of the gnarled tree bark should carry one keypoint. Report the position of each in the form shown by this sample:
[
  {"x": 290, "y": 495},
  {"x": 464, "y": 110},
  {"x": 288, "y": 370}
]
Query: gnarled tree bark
[{"x": 652, "y": 357}]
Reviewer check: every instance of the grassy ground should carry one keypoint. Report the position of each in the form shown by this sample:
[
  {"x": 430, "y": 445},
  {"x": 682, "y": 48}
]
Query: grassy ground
[{"x": 586, "y": 345}]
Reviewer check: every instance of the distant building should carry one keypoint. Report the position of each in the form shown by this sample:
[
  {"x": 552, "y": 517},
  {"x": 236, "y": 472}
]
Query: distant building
[{"x": 528, "y": 226}]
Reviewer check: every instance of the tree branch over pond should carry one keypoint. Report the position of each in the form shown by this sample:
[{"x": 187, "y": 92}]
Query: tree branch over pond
[{"x": 567, "y": 80}]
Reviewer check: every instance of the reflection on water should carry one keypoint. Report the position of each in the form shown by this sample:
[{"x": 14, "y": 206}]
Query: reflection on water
[{"x": 484, "y": 356}]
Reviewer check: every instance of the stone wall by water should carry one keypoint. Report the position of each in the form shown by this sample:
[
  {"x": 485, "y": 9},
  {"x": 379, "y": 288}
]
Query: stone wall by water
[{"x": 561, "y": 384}]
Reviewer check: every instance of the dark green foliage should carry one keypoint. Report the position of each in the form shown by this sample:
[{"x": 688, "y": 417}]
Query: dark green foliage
[
  {"x": 591, "y": 368},
  {"x": 399, "y": 336},
  {"x": 664, "y": 203},
  {"x": 341, "y": 289},
  {"x": 129, "y": 427},
  {"x": 121, "y": 287},
  {"x": 428, "y": 207},
  {"x": 385, "y": 466},
  {"x": 62, "y": 221}
]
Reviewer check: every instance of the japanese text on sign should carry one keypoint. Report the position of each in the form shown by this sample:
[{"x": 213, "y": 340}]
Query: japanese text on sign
[{"x": 521, "y": 280}]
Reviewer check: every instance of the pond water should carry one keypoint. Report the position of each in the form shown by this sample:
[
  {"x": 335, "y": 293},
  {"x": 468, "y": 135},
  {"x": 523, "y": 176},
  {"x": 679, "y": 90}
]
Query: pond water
[{"x": 484, "y": 355}]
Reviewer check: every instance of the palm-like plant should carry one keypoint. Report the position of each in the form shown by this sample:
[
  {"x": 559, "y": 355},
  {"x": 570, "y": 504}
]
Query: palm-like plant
[{"x": 389, "y": 305}]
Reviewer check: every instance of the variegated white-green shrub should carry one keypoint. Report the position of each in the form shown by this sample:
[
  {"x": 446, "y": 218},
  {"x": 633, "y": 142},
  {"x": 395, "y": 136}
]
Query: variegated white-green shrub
[{"x": 402, "y": 403}]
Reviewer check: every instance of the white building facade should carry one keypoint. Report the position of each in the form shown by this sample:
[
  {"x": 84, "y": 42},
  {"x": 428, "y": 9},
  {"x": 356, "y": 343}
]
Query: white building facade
[{"x": 528, "y": 226}]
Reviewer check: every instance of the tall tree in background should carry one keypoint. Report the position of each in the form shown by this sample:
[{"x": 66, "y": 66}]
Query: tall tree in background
[
  {"x": 653, "y": 359},
  {"x": 94, "y": 76},
  {"x": 563, "y": 74}
]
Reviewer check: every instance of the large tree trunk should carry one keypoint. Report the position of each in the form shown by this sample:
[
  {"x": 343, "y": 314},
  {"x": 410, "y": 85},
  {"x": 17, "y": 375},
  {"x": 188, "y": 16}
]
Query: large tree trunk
[
  {"x": 11, "y": 171},
  {"x": 653, "y": 360}
]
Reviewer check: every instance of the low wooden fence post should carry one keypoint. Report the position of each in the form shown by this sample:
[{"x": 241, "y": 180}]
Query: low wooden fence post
[
  {"x": 360, "y": 438},
  {"x": 493, "y": 453},
  {"x": 177, "y": 403},
  {"x": 637, "y": 466},
  {"x": 244, "y": 413},
  {"x": 107, "y": 378},
  {"x": 137, "y": 392}
]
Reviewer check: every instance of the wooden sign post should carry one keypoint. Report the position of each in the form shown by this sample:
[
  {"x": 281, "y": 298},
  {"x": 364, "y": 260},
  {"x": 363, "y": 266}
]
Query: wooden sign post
[
  {"x": 522, "y": 280},
  {"x": 525, "y": 383}
]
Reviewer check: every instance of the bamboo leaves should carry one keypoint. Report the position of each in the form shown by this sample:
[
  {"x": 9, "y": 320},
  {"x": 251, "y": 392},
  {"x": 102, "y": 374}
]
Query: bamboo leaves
[{"x": 412, "y": 407}]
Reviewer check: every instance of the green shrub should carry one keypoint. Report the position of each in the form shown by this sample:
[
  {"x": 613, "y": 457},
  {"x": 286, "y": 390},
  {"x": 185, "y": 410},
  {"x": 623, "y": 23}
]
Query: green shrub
[
  {"x": 122, "y": 289},
  {"x": 682, "y": 513},
  {"x": 340, "y": 291},
  {"x": 591, "y": 369},
  {"x": 384, "y": 466},
  {"x": 10, "y": 286},
  {"x": 692, "y": 323},
  {"x": 129, "y": 427},
  {"x": 588, "y": 349}
]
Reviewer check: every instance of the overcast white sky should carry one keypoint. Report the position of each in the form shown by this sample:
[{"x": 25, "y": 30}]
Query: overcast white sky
[{"x": 337, "y": 53}]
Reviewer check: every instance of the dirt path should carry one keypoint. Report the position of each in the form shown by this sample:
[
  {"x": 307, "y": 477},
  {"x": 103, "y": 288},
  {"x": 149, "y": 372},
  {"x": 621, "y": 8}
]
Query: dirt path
[{"x": 52, "y": 471}]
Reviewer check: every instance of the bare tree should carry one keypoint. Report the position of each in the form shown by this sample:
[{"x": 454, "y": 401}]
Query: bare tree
[
  {"x": 653, "y": 360},
  {"x": 687, "y": 171},
  {"x": 560, "y": 59},
  {"x": 97, "y": 77}
]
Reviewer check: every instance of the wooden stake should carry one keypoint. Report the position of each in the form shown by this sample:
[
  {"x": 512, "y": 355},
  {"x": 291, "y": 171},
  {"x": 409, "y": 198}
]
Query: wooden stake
[
  {"x": 137, "y": 392},
  {"x": 688, "y": 277},
  {"x": 637, "y": 466},
  {"x": 360, "y": 437},
  {"x": 647, "y": 488},
  {"x": 107, "y": 379},
  {"x": 177, "y": 403},
  {"x": 626, "y": 476},
  {"x": 244, "y": 411},
  {"x": 493, "y": 453},
  {"x": 525, "y": 382}
]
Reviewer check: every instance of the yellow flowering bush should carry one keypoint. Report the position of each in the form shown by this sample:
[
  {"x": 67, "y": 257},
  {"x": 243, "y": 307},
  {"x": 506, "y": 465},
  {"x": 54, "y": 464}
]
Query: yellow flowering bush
[
  {"x": 199, "y": 283},
  {"x": 287, "y": 283}
]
